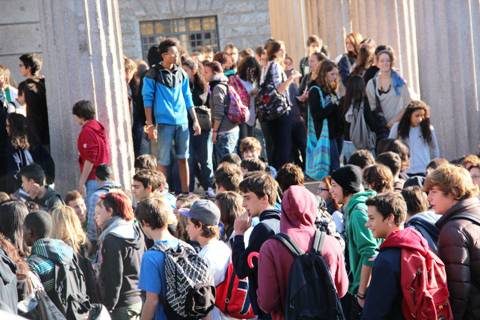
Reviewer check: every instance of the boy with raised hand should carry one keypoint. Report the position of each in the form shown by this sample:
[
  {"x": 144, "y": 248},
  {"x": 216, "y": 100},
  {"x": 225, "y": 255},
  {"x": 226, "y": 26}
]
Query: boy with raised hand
[{"x": 259, "y": 191}]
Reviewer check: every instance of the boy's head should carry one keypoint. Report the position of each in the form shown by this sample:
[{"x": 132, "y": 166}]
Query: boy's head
[
  {"x": 32, "y": 175},
  {"x": 153, "y": 214},
  {"x": 104, "y": 173},
  {"x": 83, "y": 111},
  {"x": 378, "y": 177},
  {"x": 361, "y": 158},
  {"x": 231, "y": 158},
  {"x": 30, "y": 64},
  {"x": 435, "y": 163},
  {"x": 37, "y": 225},
  {"x": 386, "y": 213},
  {"x": 415, "y": 199},
  {"x": 250, "y": 165},
  {"x": 346, "y": 181},
  {"x": 259, "y": 191},
  {"x": 146, "y": 182},
  {"x": 391, "y": 160},
  {"x": 228, "y": 177},
  {"x": 75, "y": 200},
  {"x": 168, "y": 51},
  {"x": 145, "y": 161},
  {"x": 447, "y": 185},
  {"x": 203, "y": 218},
  {"x": 314, "y": 43},
  {"x": 250, "y": 148},
  {"x": 290, "y": 175}
]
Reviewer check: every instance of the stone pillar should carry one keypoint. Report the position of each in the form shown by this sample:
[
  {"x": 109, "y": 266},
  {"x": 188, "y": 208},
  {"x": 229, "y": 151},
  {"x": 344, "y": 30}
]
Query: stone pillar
[
  {"x": 391, "y": 22},
  {"x": 449, "y": 57},
  {"x": 83, "y": 59},
  {"x": 329, "y": 19}
]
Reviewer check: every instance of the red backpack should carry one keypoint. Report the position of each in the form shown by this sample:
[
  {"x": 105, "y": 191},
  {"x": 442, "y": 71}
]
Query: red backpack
[
  {"x": 231, "y": 296},
  {"x": 423, "y": 280},
  {"x": 236, "y": 111}
]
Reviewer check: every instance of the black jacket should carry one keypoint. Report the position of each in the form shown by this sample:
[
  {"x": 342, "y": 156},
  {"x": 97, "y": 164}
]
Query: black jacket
[
  {"x": 120, "y": 269},
  {"x": 269, "y": 225},
  {"x": 332, "y": 112}
]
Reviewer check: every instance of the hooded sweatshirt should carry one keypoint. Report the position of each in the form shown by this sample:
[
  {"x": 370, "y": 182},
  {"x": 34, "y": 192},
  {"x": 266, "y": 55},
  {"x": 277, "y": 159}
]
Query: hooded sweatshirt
[
  {"x": 362, "y": 246},
  {"x": 384, "y": 295},
  {"x": 93, "y": 146},
  {"x": 299, "y": 211},
  {"x": 121, "y": 250},
  {"x": 46, "y": 253},
  {"x": 218, "y": 102}
]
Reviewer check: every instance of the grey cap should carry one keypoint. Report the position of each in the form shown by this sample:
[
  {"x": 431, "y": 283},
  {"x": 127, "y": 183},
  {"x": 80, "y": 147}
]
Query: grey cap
[{"x": 204, "y": 211}]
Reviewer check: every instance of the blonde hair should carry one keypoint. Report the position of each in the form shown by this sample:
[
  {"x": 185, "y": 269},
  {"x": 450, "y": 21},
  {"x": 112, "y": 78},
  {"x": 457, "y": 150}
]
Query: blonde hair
[
  {"x": 68, "y": 227},
  {"x": 452, "y": 180}
]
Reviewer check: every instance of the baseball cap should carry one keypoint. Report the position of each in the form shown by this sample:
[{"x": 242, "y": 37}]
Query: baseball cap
[{"x": 204, "y": 211}]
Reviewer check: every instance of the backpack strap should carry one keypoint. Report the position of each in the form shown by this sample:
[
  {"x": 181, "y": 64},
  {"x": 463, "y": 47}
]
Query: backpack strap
[
  {"x": 318, "y": 242},
  {"x": 289, "y": 244}
]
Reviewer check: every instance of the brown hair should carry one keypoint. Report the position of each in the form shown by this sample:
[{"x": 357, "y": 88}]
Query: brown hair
[
  {"x": 452, "y": 180},
  {"x": 314, "y": 39},
  {"x": 72, "y": 196},
  {"x": 321, "y": 76},
  {"x": 215, "y": 66},
  {"x": 273, "y": 47},
  {"x": 389, "y": 53},
  {"x": 231, "y": 206},
  {"x": 145, "y": 161},
  {"x": 378, "y": 177},
  {"x": 390, "y": 203},
  {"x": 415, "y": 199},
  {"x": 22, "y": 268},
  {"x": 290, "y": 175},
  {"x": 229, "y": 176},
  {"x": 261, "y": 184},
  {"x": 250, "y": 143},
  {"x": 251, "y": 165},
  {"x": 153, "y": 178},
  {"x": 208, "y": 232},
  {"x": 355, "y": 38},
  {"x": 154, "y": 211},
  {"x": 470, "y": 160}
]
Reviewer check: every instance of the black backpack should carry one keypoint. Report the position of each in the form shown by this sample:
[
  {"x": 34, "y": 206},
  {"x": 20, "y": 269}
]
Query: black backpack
[
  {"x": 311, "y": 293},
  {"x": 70, "y": 292}
]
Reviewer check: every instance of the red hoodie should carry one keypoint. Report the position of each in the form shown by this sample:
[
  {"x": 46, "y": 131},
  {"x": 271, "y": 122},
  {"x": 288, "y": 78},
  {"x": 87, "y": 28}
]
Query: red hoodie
[
  {"x": 299, "y": 211},
  {"x": 93, "y": 146}
]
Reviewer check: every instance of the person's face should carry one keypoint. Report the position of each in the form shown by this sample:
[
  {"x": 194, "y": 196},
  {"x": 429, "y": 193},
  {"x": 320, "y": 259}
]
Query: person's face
[
  {"x": 323, "y": 191},
  {"x": 379, "y": 226},
  {"x": 139, "y": 191},
  {"x": 193, "y": 231},
  {"x": 332, "y": 75},
  {"x": 24, "y": 71},
  {"x": 80, "y": 208},
  {"x": 440, "y": 201},
  {"x": 27, "y": 184},
  {"x": 384, "y": 62},
  {"x": 337, "y": 192},
  {"x": 288, "y": 64},
  {"x": 314, "y": 47},
  {"x": 417, "y": 117},
  {"x": 349, "y": 45},
  {"x": 233, "y": 53},
  {"x": 313, "y": 62},
  {"x": 475, "y": 174},
  {"x": 250, "y": 154},
  {"x": 102, "y": 214},
  {"x": 171, "y": 56},
  {"x": 188, "y": 71},
  {"x": 208, "y": 73},
  {"x": 253, "y": 204}
]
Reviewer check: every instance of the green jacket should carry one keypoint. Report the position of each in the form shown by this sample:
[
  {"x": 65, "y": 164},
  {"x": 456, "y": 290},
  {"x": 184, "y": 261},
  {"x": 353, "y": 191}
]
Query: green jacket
[{"x": 362, "y": 246}]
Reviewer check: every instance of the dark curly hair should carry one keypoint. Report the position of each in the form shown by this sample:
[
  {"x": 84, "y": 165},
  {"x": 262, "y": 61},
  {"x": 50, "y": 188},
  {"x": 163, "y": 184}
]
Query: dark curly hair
[{"x": 404, "y": 125}]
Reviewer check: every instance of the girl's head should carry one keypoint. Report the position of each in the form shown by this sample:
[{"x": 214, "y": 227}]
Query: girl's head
[
  {"x": 275, "y": 50},
  {"x": 378, "y": 177},
  {"x": 113, "y": 204},
  {"x": 385, "y": 60},
  {"x": 68, "y": 227},
  {"x": 17, "y": 130},
  {"x": 365, "y": 58},
  {"x": 314, "y": 60},
  {"x": 288, "y": 62},
  {"x": 352, "y": 43},
  {"x": 249, "y": 69},
  {"x": 327, "y": 75},
  {"x": 417, "y": 114},
  {"x": 231, "y": 206},
  {"x": 354, "y": 91},
  {"x": 12, "y": 218}
]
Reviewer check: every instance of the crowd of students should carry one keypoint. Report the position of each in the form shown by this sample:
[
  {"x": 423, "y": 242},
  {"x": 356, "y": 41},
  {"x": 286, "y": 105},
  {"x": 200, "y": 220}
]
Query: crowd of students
[{"x": 390, "y": 233}]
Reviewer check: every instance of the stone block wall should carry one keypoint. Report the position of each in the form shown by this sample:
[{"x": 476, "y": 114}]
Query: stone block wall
[{"x": 244, "y": 23}]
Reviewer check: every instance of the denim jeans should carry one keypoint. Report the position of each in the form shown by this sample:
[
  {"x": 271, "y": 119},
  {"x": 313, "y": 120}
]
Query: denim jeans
[
  {"x": 90, "y": 188},
  {"x": 200, "y": 162},
  {"x": 226, "y": 144},
  {"x": 141, "y": 144},
  {"x": 177, "y": 135}
]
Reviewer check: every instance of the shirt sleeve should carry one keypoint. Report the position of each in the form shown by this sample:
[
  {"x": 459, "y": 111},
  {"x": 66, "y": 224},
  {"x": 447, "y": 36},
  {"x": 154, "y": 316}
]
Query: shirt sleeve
[
  {"x": 148, "y": 92},
  {"x": 394, "y": 131},
  {"x": 363, "y": 238},
  {"x": 89, "y": 146},
  {"x": 187, "y": 93},
  {"x": 150, "y": 274},
  {"x": 435, "y": 147},
  {"x": 276, "y": 72}
]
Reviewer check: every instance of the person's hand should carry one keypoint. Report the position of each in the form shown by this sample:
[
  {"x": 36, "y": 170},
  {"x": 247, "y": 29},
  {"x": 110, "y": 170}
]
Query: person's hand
[
  {"x": 295, "y": 75},
  {"x": 151, "y": 133},
  {"x": 254, "y": 92},
  {"x": 34, "y": 190},
  {"x": 214, "y": 136},
  {"x": 82, "y": 190},
  {"x": 196, "y": 128},
  {"x": 303, "y": 97},
  {"x": 361, "y": 302},
  {"x": 241, "y": 224}
]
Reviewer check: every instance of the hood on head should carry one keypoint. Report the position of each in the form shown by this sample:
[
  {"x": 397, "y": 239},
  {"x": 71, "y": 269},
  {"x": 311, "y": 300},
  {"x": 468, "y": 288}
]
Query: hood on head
[
  {"x": 299, "y": 209},
  {"x": 53, "y": 249},
  {"x": 408, "y": 238}
]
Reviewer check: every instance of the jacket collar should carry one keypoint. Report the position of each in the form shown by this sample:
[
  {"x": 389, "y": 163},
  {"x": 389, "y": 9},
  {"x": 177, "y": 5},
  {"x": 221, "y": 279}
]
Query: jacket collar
[{"x": 470, "y": 206}]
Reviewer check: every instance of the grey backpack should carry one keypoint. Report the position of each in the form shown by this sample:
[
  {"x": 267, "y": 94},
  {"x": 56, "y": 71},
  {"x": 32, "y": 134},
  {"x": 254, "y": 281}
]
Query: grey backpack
[{"x": 360, "y": 134}]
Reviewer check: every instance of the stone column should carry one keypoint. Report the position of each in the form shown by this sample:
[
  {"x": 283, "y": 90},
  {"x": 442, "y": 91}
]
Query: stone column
[
  {"x": 391, "y": 22},
  {"x": 83, "y": 59},
  {"x": 449, "y": 58}
]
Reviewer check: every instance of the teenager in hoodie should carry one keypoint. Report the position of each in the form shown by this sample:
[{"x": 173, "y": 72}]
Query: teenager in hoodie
[
  {"x": 259, "y": 191},
  {"x": 46, "y": 252},
  {"x": 92, "y": 144},
  {"x": 120, "y": 251},
  {"x": 299, "y": 211},
  {"x": 347, "y": 189}
]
